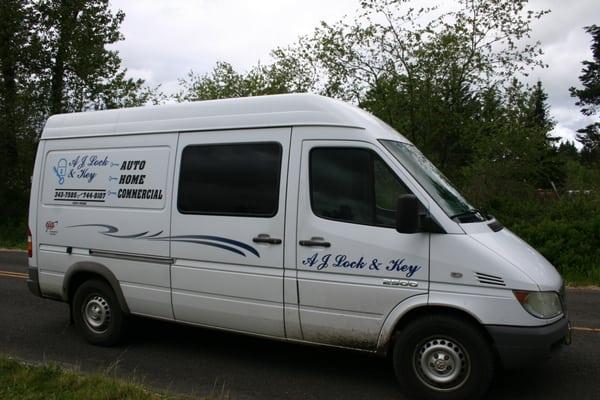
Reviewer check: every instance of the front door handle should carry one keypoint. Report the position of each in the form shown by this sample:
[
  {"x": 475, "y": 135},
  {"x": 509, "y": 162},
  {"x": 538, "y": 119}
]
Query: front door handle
[
  {"x": 315, "y": 242},
  {"x": 264, "y": 238}
]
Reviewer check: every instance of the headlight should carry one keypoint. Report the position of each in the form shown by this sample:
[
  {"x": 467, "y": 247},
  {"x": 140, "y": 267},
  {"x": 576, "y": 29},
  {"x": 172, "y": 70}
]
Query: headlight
[{"x": 543, "y": 305}]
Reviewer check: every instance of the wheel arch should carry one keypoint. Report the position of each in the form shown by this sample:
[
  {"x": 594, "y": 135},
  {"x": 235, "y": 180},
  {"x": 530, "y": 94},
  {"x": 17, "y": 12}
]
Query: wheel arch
[
  {"x": 416, "y": 307},
  {"x": 85, "y": 270}
]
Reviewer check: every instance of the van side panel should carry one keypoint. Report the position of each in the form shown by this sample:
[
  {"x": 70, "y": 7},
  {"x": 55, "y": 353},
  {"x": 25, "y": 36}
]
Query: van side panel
[{"x": 107, "y": 200}]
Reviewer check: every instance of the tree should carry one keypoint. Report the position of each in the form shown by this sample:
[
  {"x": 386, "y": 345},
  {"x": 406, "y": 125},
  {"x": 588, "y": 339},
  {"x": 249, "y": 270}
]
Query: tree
[
  {"x": 424, "y": 71},
  {"x": 589, "y": 98},
  {"x": 83, "y": 73},
  {"x": 538, "y": 114},
  {"x": 568, "y": 150},
  {"x": 19, "y": 100},
  {"x": 224, "y": 82},
  {"x": 513, "y": 153},
  {"x": 476, "y": 44},
  {"x": 13, "y": 39},
  {"x": 549, "y": 171},
  {"x": 54, "y": 58}
]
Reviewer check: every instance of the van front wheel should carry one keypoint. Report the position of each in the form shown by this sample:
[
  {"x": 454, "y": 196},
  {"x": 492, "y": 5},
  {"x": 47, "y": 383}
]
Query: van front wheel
[
  {"x": 443, "y": 358},
  {"x": 97, "y": 314}
]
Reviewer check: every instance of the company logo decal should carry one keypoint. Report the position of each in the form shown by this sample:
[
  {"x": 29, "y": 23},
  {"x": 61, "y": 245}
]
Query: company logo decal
[
  {"x": 109, "y": 178},
  {"x": 342, "y": 261},
  {"x": 223, "y": 243},
  {"x": 60, "y": 170}
]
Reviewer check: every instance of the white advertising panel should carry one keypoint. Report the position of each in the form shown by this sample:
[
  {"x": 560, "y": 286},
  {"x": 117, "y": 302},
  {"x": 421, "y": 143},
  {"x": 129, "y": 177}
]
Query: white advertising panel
[{"x": 129, "y": 178}]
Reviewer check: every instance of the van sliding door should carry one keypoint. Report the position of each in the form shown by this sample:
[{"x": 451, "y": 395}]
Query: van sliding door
[{"x": 227, "y": 234}]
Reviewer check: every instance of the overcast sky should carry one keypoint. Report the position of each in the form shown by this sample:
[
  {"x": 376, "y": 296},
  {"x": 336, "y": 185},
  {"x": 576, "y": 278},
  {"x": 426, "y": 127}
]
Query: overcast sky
[{"x": 165, "y": 39}]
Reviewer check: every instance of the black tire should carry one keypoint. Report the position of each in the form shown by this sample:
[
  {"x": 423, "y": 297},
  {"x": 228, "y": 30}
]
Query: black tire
[
  {"x": 97, "y": 314},
  {"x": 443, "y": 358}
]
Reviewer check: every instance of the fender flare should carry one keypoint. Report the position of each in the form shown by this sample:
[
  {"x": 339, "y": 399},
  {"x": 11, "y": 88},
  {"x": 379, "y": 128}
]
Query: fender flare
[
  {"x": 387, "y": 330},
  {"x": 96, "y": 269}
]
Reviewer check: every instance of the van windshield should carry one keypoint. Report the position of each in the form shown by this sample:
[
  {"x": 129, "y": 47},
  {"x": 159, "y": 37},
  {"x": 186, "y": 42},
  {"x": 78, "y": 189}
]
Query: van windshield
[{"x": 433, "y": 181}]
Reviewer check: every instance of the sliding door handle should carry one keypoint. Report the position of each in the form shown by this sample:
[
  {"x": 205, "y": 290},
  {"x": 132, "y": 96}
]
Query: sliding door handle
[
  {"x": 266, "y": 239},
  {"x": 315, "y": 242}
]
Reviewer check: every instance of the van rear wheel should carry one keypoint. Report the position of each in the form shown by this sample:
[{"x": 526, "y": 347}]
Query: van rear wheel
[
  {"x": 444, "y": 358},
  {"x": 97, "y": 314}
]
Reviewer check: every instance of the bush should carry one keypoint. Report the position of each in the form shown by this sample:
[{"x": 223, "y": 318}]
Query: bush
[
  {"x": 566, "y": 231},
  {"x": 13, "y": 234}
]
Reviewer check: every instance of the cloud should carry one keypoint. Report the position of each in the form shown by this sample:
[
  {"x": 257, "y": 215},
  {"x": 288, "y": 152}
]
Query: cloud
[
  {"x": 565, "y": 45},
  {"x": 173, "y": 37},
  {"x": 568, "y": 121}
]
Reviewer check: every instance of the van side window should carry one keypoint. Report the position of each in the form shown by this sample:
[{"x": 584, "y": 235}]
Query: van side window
[
  {"x": 240, "y": 179},
  {"x": 353, "y": 185}
]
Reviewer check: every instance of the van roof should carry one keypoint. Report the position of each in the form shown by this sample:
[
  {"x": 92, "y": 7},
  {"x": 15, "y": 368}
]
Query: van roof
[{"x": 247, "y": 112}]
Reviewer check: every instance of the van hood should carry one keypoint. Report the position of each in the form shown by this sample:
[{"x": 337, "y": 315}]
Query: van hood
[{"x": 524, "y": 257}]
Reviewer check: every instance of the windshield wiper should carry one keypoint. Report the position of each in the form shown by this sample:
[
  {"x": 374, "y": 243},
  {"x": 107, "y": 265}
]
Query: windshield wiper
[{"x": 471, "y": 212}]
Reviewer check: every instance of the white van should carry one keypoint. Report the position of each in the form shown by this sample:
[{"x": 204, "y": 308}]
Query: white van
[{"x": 293, "y": 217}]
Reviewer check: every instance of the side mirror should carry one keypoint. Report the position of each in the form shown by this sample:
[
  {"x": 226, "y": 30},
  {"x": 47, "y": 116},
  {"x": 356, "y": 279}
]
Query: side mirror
[{"x": 407, "y": 214}]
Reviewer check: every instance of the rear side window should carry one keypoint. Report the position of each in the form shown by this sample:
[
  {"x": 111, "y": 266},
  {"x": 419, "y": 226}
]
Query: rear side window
[
  {"x": 353, "y": 185},
  {"x": 230, "y": 179}
]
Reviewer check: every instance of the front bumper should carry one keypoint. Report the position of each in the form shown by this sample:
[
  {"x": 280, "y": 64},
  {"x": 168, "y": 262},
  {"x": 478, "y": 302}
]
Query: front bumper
[{"x": 523, "y": 346}]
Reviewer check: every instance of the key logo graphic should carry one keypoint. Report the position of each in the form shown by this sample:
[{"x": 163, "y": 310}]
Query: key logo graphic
[{"x": 60, "y": 170}]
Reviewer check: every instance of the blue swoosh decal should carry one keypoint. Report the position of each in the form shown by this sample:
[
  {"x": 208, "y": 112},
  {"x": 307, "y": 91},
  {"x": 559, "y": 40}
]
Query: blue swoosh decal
[
  {"x": 151, "y": 236},
  {"x": 220, "y": 239},
  {"x": 109, "y": 228},
  {"x": 207, "y": 240},
  {"x": 221, "y": 246},
  {"x": 135, "y": 235}
]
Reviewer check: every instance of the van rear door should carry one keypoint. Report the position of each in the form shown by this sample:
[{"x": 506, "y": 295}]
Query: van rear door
[
  {"x": 106, "y": 200},
  {"x": 227, "y": 229}
]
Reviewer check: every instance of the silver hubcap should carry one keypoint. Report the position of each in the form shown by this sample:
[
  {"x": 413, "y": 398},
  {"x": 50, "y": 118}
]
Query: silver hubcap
[
  {"x": 96, "y": 313},
  {"x": 442, "y": 364}
]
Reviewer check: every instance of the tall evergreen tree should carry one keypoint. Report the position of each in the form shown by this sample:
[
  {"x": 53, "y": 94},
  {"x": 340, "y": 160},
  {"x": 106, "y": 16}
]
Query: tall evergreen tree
[
  {"x": 568, "y": 150},
  {"x": 538, "y": 113},
  {"x": 589, "y": 98},
  {"x": 550, "y": 171}
]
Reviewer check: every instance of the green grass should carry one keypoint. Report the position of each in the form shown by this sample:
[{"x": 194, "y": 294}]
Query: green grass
[{"x": 20, "y": 381}]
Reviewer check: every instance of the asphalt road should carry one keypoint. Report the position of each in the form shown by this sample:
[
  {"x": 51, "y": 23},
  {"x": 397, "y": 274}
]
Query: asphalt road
[{"x": 199, "y": 361}]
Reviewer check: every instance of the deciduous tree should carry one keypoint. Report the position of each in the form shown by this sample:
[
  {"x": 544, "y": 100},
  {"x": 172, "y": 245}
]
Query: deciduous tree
[
  {"x": 54, "y": 58},
  {"x": 225, "y": 82},
  {"x": 427, "y": 71}
]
